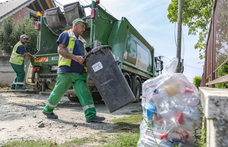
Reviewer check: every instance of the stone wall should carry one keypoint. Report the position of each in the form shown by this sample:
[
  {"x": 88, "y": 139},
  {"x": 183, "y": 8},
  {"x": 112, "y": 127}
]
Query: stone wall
[{"x": 215, "y": 102}]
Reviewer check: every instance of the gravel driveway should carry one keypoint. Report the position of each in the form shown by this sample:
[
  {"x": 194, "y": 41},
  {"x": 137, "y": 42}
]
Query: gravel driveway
[{"x": 21, "y": 118}]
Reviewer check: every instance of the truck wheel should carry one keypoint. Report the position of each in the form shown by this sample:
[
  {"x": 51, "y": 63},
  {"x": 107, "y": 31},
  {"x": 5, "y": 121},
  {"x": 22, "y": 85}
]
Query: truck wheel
[
  {"x": 136, "y": 87},
  {"x": 128, "y": 79},
  {"x": 73, "y": 98}
]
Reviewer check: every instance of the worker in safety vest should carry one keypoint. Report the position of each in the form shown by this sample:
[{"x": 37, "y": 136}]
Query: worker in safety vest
[
  {"x": 17, "y": 62},
  {"x": 71, "y": 71}
]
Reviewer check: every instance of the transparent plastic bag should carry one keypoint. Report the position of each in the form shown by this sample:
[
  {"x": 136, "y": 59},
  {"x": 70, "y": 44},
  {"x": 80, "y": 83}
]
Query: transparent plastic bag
[{"x": 170, "y": 110}]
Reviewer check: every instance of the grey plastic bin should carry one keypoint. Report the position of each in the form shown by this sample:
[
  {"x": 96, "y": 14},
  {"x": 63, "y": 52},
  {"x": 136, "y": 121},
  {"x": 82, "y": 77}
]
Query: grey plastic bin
[
  {"x": 108, "y": 78},
  {"x": 55, "y": 18},
  {"x": 73, "y": 11}
]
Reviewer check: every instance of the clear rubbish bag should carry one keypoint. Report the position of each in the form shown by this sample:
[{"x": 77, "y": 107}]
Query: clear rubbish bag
[{"x": 170, "y": 110}]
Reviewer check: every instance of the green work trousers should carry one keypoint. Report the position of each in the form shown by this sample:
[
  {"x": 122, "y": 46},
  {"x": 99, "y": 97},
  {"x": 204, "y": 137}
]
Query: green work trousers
[
  {"x": 19, "y": 79},
  {"x": 79, "y": 82}
]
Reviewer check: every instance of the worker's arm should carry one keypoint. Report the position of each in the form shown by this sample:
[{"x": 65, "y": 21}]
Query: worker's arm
[
  {"x": 29, "y": 55},
  {"x": 64, "y": 52}
]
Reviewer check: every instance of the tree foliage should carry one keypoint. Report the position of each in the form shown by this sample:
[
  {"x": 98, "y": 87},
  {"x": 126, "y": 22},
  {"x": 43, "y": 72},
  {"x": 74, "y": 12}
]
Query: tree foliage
[
  {"x": 10, "y": 35},
  {"x": 197, "y": 81},
  {"x": 6, "y": 37},
  {"x": 196, "y": 14}
]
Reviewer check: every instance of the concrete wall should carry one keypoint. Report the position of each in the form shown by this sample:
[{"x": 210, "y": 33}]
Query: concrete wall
[
  {"x": 7, "y": 74},
  {"x": 215, "y": 102}
]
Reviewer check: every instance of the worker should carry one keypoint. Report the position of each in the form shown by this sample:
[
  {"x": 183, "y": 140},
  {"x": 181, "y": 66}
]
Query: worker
[
  {"x": 17, "y": 62},
  {"x": 71, "y": 71}
]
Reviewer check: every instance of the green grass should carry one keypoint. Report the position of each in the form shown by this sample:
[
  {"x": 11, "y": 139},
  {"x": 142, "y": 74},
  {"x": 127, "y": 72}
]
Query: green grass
[
  {"x": 31, "y": 143},
  {"x": 77, "y": 142},
  {"x": 126, "y": 137},
  {"x": 126, "y": 140},
  {"x": 131, "y": 122}
]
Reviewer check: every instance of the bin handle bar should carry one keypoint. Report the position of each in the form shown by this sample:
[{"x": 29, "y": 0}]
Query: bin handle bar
[{"x": 95, "y": 50}]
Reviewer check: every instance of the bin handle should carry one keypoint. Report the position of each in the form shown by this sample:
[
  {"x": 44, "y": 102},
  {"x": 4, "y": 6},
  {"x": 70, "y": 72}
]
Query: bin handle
[
  {"x": 117, "y": 62},
  {"x": 94, "y": 51}
]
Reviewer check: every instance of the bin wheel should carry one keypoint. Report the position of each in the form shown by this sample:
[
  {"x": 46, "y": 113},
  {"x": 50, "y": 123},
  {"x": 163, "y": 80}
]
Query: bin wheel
[
  {"x": 73, "y": 98},
  {"x": 136, "y": 87}
]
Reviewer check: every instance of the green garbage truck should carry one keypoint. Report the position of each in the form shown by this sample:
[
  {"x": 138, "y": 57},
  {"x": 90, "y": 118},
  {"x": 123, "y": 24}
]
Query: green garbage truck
[{"x": 129, "y": 48}]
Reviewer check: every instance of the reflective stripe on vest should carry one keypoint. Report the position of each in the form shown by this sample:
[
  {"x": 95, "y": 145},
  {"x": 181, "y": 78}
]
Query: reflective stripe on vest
[
  {"x": 16, "y": 58},
  {"x": 67, "y": 62},
  {"x": 64, "y": 61}
]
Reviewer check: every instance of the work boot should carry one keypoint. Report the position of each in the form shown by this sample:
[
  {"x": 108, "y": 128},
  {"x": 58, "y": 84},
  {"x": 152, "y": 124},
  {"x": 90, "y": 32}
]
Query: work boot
[
  {"x": 50, "y": 115},
  {"x": 95, "y": 119}
]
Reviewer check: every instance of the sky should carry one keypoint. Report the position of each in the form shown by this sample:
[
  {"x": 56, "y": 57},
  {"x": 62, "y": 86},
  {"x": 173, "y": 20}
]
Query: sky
[{"x": 149, "y": 17}]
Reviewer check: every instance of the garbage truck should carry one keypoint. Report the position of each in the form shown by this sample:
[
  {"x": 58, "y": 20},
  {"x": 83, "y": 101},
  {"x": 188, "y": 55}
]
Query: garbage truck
[{"x": 134, "y": 54}]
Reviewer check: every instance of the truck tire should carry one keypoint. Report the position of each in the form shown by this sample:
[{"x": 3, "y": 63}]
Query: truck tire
[
  {"x": 136, "y": 87},
  {"x": 128, "y": 79}
]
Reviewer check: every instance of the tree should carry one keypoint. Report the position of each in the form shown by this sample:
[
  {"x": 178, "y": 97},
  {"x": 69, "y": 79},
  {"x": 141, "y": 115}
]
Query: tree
[
  {"x": 10, "y": 35},
  {"x": 6, "y": 38},
  {"x": 197, "y": 16}
]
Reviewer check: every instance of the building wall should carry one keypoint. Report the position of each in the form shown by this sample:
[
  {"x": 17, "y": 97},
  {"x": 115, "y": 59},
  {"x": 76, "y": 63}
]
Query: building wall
[{"x": 19, "y": 16}]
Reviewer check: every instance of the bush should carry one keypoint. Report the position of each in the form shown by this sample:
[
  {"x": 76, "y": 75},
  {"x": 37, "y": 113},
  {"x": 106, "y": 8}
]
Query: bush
[
  {"x": 222, "y": 72},
  {"x": 197, "y": 81},
  {"x": 10, "y": 35}
]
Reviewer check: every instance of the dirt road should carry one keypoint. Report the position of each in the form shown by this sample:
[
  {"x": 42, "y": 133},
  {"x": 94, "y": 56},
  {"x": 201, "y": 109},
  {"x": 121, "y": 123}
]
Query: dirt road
[{"x": 21, "y": 118}]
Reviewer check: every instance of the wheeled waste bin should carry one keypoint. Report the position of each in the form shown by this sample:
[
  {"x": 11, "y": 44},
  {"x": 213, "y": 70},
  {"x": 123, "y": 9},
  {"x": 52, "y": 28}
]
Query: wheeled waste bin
[{"x": 108, "y": 78}]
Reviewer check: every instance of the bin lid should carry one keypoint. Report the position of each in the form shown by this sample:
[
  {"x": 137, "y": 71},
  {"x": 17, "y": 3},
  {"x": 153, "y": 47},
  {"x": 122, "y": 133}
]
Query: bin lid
[{"x": 94, "y": 50}]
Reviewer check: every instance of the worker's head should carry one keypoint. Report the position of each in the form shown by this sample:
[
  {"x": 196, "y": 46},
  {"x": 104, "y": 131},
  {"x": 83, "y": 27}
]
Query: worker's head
[
  {"x": 79, "y": 26},
  {"x": 23, "y": 38}
]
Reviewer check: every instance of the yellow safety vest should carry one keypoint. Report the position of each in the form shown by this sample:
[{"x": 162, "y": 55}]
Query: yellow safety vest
[
  {"x": 65, "y": 61},
  {"x": 16, "y": 58}
]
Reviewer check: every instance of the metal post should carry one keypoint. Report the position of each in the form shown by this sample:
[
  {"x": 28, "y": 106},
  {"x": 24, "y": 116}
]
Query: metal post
[
  {"x": 92, "y": 27},
  {"x": 179, "y": 31},
  {"x": 160, "y": 65},
  {"x": 212, "y": 49}
]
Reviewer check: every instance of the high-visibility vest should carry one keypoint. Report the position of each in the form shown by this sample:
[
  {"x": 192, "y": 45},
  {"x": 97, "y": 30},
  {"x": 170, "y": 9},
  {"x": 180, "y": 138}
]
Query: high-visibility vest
[
  {"x": 65, "y": 61},
  {"x": 16, "y": 58}
]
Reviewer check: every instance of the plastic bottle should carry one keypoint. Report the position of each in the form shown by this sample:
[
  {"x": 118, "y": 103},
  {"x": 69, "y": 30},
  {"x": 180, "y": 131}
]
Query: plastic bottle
[
  {"x": 178, "y": 135},
  {"x": 149, "y": 86},
  {"x": 165, "y": 143},
  {"x": 191, "y": 99},
  {"x": 161, "y": 99},
  {"x": 148, "y": 110},
  {"x": 195, "y": 113},
  {"x": 177, "y": 103}
]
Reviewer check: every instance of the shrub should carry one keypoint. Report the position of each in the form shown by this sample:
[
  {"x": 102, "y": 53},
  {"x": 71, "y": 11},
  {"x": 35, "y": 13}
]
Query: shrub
[{"x": 197, "y": 81}]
